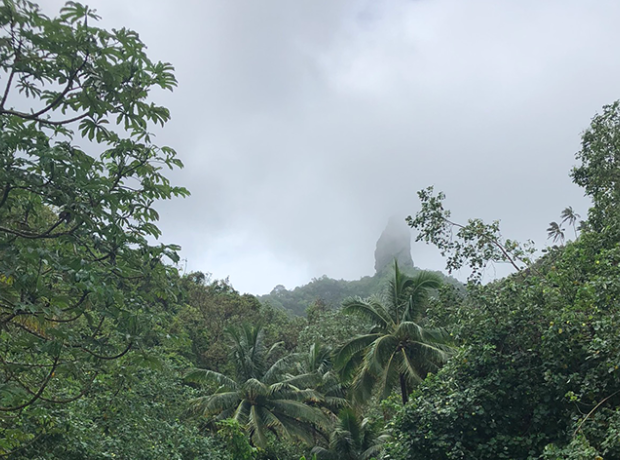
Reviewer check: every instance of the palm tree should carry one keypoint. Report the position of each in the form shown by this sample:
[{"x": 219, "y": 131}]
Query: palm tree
[
  {"x": 556, "y": 232},
  {"x": 258, "y": 397},
  {"x": 570, "y": 216},
  {"x": 314, "y": 370},
  {"x": 352, "y": 439},
  {"x": 397, "y": 351}
]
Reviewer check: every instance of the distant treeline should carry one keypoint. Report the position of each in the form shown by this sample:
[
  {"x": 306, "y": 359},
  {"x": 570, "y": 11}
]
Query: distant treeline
[{"x": 332, "y": 292}]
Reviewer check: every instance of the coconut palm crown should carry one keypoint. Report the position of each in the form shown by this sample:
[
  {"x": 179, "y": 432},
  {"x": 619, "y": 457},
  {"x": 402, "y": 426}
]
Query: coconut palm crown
[
  {"x": 352, "y": 439},
  {"x": 259, "y": 397},
  {"x": 397, "y": 351},
  {"x": 556, "y": 232},
  {"x": 314, "y": 369}
]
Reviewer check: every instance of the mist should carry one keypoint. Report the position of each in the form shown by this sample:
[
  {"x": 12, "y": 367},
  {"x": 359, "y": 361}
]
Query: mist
[{"x": 304, "y": 126}]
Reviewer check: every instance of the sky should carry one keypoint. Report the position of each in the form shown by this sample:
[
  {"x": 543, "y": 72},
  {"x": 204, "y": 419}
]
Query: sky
[{"x": 305, "y": 125}]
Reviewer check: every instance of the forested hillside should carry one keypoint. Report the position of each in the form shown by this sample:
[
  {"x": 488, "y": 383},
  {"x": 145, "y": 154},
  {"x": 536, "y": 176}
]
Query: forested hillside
[
  {"x": 394, "y": 244},
  {"x": 332, "y": 293},
  {"x": 108, "y": 352}
]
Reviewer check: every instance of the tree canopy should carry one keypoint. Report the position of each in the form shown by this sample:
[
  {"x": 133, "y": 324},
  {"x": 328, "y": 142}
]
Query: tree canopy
[
  {"x": 259, "y": 396},
  {"x": 107, "y": 351},
  {"x": 79, "y": 178},
  {"x": 398, "y": 350},
  {"x": 537, "y": 374}
]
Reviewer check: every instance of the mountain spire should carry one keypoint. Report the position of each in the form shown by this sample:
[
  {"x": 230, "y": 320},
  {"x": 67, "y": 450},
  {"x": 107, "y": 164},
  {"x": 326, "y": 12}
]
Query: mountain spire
[{"x": 394, "y": 243}]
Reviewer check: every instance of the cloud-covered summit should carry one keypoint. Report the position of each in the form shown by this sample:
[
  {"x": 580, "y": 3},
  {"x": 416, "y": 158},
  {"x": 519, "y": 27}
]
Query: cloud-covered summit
[{"x": 305, "y": 125}]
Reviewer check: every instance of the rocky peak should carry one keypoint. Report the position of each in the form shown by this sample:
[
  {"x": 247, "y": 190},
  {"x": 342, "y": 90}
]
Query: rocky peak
[{"x": 394, "y": 243}]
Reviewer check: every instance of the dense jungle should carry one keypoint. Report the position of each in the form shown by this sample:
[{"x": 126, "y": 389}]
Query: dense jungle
[{"x": 109, "y": 350}]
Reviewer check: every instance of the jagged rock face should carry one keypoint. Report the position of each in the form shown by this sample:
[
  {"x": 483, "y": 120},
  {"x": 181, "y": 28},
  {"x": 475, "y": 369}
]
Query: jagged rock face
[{"x": 394, "y": 243}]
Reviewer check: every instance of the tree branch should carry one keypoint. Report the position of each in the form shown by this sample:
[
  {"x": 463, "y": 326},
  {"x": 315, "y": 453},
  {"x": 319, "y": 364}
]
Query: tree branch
[
  {"x": 59, "y": 98},
  {"x": 592, "y": 411},
  {"x": 108, "y": 358},
  {"x": 12, "y": 74},
  {"x": 45, "y": 235},
  {"x": 38, "y": 394},
  {"x": 41, "y": 120},
  {"x": 59, "y": 401},
  {"x": 5, "y": 194},
  {"x": 79, "y": 302},
  {"x": 492, "y": 241}
]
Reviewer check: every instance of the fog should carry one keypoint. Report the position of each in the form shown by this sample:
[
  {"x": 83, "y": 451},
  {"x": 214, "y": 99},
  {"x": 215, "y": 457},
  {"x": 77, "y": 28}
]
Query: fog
[{"x": 305, "y": 125}]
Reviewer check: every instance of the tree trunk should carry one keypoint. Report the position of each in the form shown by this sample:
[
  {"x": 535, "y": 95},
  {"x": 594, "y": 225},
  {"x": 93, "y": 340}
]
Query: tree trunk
[{"x": 403, "y": 389}]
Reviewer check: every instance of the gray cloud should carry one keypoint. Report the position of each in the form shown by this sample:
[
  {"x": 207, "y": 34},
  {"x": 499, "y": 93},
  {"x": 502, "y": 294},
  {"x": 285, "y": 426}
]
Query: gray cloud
[{"x": 305, "y": 125}]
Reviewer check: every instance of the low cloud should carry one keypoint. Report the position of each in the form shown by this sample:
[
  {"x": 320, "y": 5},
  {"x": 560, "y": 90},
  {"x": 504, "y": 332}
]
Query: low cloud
[{"x": 305, "y": 125}]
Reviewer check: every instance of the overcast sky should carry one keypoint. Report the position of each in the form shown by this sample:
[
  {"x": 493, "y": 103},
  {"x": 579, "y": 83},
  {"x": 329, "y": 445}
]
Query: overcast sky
[{"x": 304, "y": 125}]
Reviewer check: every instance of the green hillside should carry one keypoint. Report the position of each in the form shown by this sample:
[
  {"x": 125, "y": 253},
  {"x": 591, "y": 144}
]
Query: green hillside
[{"x": 332, "y": 292}]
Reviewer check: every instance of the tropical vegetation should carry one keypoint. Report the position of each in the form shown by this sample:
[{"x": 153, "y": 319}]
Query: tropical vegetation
[
  {"x": 107, "y": 350},
  {"x": 260, "y": 397},
  {"x": 352, "y": 439},
  {"x": 397, "y": 350}
]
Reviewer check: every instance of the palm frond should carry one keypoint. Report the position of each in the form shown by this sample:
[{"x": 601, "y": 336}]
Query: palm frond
[
  {"x": 298, "y": 429},
  {"x": 351, "y": 439},
  {"x": 302, "y": 381},
  {"x": 331, "y": 385},
  {"x": 349, "y": 421},
  {"x": 273, "y": 350},
  {"x": 271, "y": 421},
  {"x": 310, "y": 396},
  {"x": 273, "y": 399},
  {"x": 254, "y": 388},
  {"x": 410, "y": 368},
  {"x": 361, "y": 389},
  {"x": 568, "y": 214},
  {"x": 214, "y": 404},
  {"x": 396, "y": 294},
  {"x": 300, "y": 411},
  {"x": 248, "y": 351},
  {"x": 342, "y": 443},
  {"x": 257, "y": 427},
  {"x": 431, "y": 341},
  {"x": 380, "y": 352},
  {"x": 322, "y": 453},
  {"x": 371, "y": 309},
  {"x": 280, "y": 367},
  {"x": 350, "y": 367},
  {"x": 334, "y": 402},
  {"x": 208, "y": 376},
  {"x": 429, "y": 356},
  {"x": 254, "y": 338},
  {"x": 555, "y": 231},
  {"x": 425, "y": 350},
  {"x": 418, "y": 294},
  {"x": 409, "y": 331},
  {"x": 389, "y": 378},
  {"x": 352, "y": 348},
  {"x": 242, "y": 412},
  {"x": 437, "y": 336},
  {"x": 318, "y": 358},
  {"x": 375, "y": 450}
]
